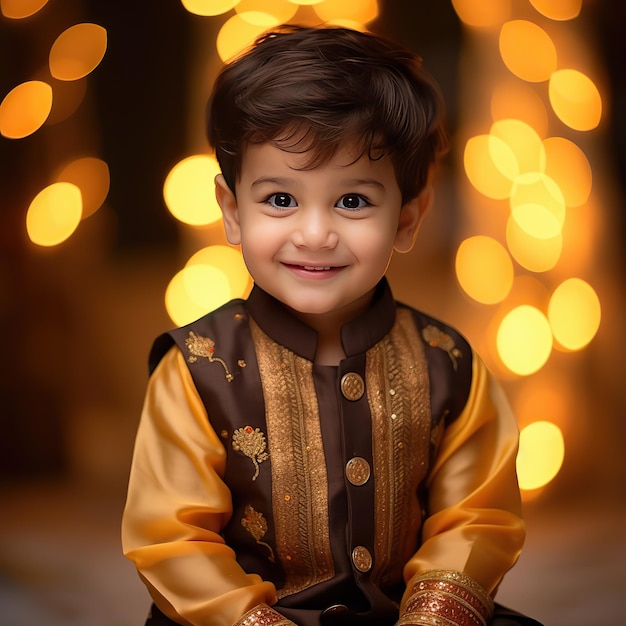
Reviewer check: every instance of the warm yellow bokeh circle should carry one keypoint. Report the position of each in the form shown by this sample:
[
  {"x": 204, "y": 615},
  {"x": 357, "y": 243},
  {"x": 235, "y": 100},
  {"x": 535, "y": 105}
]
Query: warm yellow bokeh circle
[
  {"x": 189, "y": 190},
  {"x": 207, "y": 8},
  {"x": 541, "y": 454},
  {"x": 77, "y": 51},
  {"x": 228, "y": 260},
  {"x": 25, "y": 109},
  {"x": 524, "y": 340},
  {"x": 484, "y": 269},
  {"x": 481, "y": 14},
  {"x": 490, "y": 165},
  {"x": 54, "y": 214},
  {"x": 527, "y": 50},
  {"x": 537, "y": 205},
  {"x": 195, "y": 291},
  {"x": 575, "y": 99},
  {"x": 574, "y": 313}
]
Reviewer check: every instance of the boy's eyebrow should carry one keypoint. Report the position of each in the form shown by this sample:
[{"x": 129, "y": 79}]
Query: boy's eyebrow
[
  {"x": 274, "y": 180},
  {"x": 286, "y": 182},
  {"x": 369, "y": 182}
]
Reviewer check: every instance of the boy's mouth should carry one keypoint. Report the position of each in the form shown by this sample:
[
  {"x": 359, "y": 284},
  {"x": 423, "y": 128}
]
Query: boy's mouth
[{"x": 313, "y": 269}]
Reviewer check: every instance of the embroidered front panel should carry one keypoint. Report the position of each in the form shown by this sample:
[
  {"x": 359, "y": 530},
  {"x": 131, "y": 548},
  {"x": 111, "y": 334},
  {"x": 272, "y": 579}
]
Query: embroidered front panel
[
  {"x": 299, "y": 480},
  {"x": 399, "y": 398}
]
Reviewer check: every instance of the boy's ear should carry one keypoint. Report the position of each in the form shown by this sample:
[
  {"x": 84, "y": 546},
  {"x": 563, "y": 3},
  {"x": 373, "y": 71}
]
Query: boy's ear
[
  {"x": 230, "y": 211},
  {"x": 411, "y": 216}
]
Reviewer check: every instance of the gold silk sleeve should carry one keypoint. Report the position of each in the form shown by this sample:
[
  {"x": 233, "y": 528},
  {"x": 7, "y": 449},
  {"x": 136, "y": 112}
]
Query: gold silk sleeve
[
  {"x": 474, "y": 531},
  {"x": 177, "y": 504}
]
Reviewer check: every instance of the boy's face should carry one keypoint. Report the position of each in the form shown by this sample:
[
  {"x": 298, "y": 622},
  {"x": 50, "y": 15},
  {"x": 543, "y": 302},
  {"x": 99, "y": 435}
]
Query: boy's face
[{"x": 317, "y": 240}]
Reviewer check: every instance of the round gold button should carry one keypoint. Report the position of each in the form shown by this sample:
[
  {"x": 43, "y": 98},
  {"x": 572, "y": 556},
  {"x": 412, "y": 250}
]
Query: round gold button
[
  {"x": 352, "y": 386},
  {"x": 358, "y": 471},
  {"x": 362, "y": 559}
]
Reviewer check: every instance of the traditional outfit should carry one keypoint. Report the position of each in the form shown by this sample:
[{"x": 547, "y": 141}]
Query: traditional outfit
[{"x": 267, "y": 489}]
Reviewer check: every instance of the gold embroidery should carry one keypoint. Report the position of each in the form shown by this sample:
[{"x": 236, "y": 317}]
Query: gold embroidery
[
  {"x": 447, "y": 596},
  {"x": 263, "y": 615},
  {"x": 301, "y": 524},
  {"x": 251, "y": 442},
  {"x": 256, "y": 524},
  {"x": 436, "y": 338},
  {"x": 401, "y": 425},
  {"x": 204, "y": 347}
]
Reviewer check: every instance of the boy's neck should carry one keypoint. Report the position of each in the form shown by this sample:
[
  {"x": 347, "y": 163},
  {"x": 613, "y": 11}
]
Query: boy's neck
[{"x": 328, "y": 327}]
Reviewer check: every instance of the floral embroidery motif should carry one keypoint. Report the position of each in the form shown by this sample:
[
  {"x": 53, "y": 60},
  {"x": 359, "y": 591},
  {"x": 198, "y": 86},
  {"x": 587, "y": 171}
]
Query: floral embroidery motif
[
  {"x": 204, "y": 347},
  {"x": 436, "y": 338},
  {"x": 251, "y": 442},
  {"x": 256, "y": 524}
]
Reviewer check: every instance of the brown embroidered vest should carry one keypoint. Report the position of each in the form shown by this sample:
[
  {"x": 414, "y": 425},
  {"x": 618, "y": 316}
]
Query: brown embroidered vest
[{"x": 326, "y": 466}]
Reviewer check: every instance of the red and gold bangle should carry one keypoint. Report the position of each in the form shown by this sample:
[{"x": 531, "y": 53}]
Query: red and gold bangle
[{"x": 446, "y": 598}]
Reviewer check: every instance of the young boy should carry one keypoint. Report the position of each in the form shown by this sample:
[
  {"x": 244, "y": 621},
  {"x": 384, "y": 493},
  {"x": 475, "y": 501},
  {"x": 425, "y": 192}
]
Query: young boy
[{"x": 319, "y": 454}]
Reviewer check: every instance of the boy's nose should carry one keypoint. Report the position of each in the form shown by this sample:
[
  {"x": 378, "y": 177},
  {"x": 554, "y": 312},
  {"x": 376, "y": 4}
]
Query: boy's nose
[{"x": 315, "y": 231}]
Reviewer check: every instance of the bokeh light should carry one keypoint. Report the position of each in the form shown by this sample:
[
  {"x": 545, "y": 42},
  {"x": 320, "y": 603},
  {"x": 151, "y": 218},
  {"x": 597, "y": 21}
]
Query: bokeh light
[
  {"x": 560, "y": 10},
  {"x": 534, "y": 254},
  {"x": 240, "y": 31},
  {"x": 25, "y": 109},
  {"x": 209, "y": 7},
  {"x": 91, "y": 176},
  {"x": 527, "y": 50},
  {"x": 189, "y": 190},
  {"x": 513, "y": 99},
  {"x": 360, "y": 12},
  {"x": 482, "y": 13},
  {"x": 524, "y": 142},
  {"x": 19, "y": 9},
  {"x": 486, "y": 159},
  {"x": 228, "y": 260},
  {"x": 540, "y": 456},
  {"x": 574, "y": 313},
  {"x": 281, "y": 10},
  {"x": 484, "y": 269},
  {"x": 524, "y": 340},
  {"x": 194, "y": 291},
  {"x": 77, "y": 51},
  {"x": 569, "y": 167},
  {"x": 575, "y": 99},
  {"x": 537, "y": 205},
  {"x": 54, "y": 214}
]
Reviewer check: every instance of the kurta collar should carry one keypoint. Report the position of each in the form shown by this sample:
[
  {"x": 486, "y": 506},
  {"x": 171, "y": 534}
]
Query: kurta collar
[{"x": 357, "y": 336}]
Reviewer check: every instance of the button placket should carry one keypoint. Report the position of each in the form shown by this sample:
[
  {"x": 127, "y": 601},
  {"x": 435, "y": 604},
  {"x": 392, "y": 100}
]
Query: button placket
[{"x": 357, "y": 432}]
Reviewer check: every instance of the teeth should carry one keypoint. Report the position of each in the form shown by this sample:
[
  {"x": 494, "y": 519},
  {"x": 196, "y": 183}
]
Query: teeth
[{"x": 319, "y": 269}]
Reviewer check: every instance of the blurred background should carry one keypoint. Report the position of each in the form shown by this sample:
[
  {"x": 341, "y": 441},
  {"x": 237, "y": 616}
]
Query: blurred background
[{"x": 109, "y": 236}]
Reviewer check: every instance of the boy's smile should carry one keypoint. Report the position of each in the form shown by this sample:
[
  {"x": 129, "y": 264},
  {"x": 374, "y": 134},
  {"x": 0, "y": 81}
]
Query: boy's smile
[{"x": 318, "y": 240}]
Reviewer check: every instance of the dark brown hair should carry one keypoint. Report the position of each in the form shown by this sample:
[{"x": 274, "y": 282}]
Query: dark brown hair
[{"x": 311, "y": 90}]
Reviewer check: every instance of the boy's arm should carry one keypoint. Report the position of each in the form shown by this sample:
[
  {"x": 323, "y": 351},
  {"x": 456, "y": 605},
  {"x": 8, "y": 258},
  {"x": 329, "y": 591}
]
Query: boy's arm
[
  {"x": 177, "y": 504},
  {"x": 474, "y": 532}
]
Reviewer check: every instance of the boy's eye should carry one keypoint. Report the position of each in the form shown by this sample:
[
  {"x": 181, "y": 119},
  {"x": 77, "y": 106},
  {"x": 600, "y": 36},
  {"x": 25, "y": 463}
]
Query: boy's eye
[
  {"x": 282, "y": 200},
  {"x": 352, "y": 201}
]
